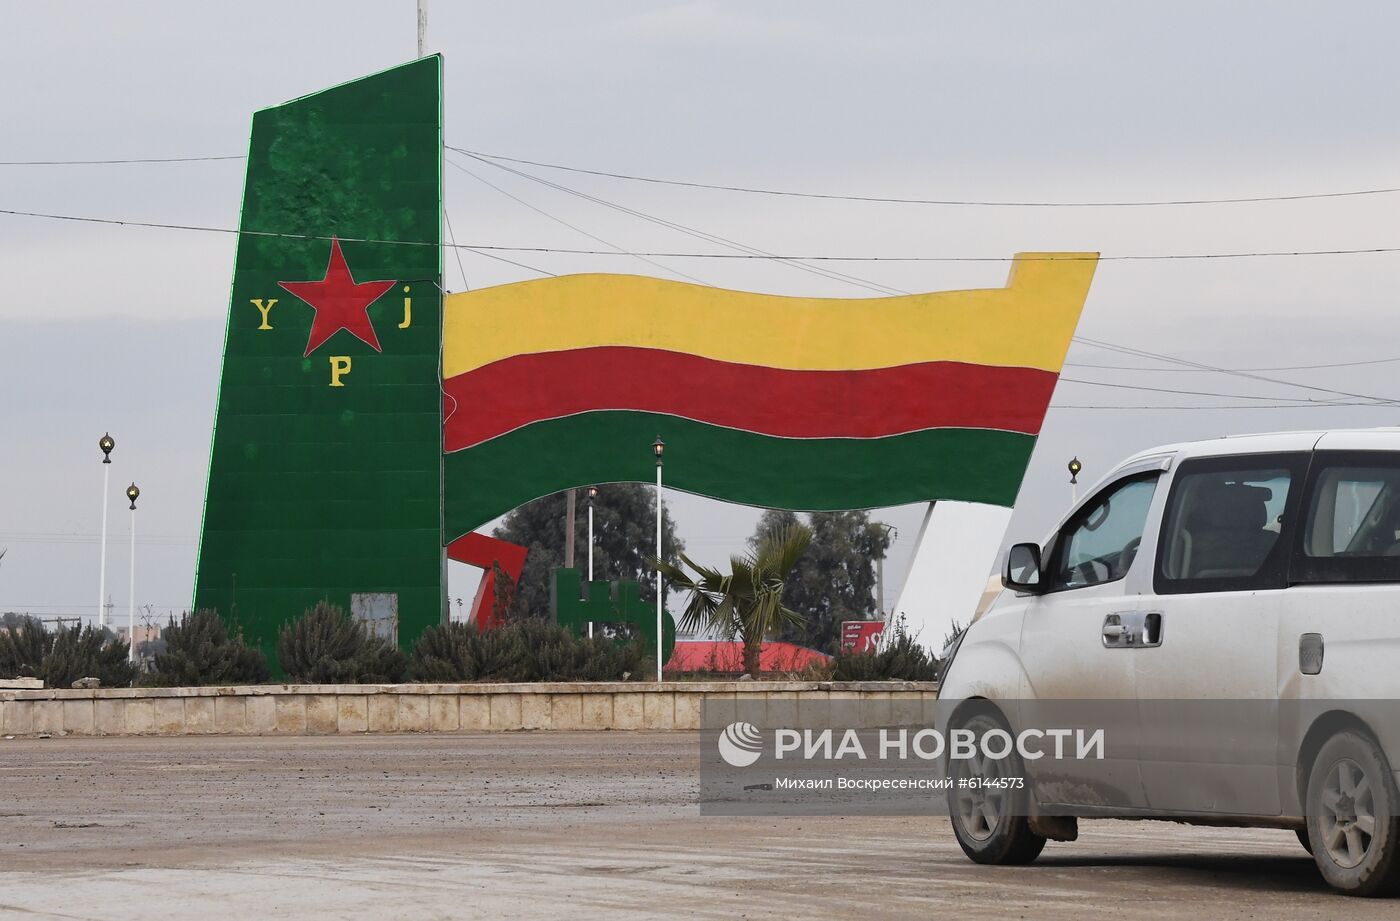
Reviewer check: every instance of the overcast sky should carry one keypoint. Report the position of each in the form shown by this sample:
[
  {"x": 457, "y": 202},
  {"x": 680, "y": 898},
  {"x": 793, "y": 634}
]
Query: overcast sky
[{"x": 120, "y": 328}]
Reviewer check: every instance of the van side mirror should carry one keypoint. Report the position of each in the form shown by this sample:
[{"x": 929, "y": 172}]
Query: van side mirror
[{"x": 1022, "y": 572}]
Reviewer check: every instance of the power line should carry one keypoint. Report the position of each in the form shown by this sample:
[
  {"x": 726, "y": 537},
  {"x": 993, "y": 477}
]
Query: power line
[
  {"x": 1196, "y": 393},
  {"x": 1334, "y": 364},
  {"x": 1227, "y": 406},
  {"x": 1154, "y": 257},
  {"x": 111, "y": 162},
  {"x": 1143, "y": 353},
  {"x": 485, "y": 248},
  {"x": 452, "y": 238},
  {"x": 712, "y": 238},
  {"x": 509, "y": 261},
  {"x": 9, "y": 605},
  {"x": 8, "y": 534},
  {"x": 578, "y": 230},
  {"x": 694, "y": 232},
  {"x": 932, "y": 201},
  {"x": 492, "y": 252},
  {"x": 1252, "y": 199}
]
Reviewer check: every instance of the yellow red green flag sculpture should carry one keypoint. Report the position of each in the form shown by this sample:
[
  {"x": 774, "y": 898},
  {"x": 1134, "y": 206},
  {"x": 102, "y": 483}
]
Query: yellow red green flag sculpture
[{"x": 782, "y": 402}]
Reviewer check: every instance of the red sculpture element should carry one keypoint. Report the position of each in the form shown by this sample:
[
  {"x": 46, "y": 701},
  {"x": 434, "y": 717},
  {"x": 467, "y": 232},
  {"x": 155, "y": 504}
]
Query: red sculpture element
[
  {"x": 339, "y": 301},
  {"x": 480, "y": 550}
]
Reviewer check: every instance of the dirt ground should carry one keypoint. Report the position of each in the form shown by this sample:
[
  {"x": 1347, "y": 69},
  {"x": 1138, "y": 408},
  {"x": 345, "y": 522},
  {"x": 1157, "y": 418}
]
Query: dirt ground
[{"x": 550, "y": 825}]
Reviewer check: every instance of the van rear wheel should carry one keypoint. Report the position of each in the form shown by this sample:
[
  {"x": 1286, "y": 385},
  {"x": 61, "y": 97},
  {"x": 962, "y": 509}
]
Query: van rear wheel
[
  {"x": 1353, "y": 825},
  {"x": 988, "y": 811}
]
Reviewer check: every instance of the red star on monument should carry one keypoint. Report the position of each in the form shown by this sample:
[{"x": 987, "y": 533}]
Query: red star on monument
[{"x": 340, "y": 302}]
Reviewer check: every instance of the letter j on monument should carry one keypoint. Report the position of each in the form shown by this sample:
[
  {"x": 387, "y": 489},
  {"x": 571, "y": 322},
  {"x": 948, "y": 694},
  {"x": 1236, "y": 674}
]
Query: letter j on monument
[{"x": 365, "y": 422}]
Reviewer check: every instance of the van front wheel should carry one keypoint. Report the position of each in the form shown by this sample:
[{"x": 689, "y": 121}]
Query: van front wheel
[{"x": 988, "y": 811}]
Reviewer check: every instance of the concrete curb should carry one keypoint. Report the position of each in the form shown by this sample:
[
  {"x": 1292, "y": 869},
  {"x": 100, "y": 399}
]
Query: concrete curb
[{"x": 338, "y": 709}]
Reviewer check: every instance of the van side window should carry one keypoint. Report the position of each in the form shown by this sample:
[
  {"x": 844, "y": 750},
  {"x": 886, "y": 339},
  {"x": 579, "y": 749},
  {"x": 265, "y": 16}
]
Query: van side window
[
  {"x": 1100, "y": 542},
  {"x": 1224, "y": 525},
  {"x": 1352, "y": 531}
]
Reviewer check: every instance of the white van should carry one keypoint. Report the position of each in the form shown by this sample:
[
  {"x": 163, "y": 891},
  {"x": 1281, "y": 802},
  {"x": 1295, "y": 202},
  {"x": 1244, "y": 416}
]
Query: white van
[{"x": 1235, "y": 605}]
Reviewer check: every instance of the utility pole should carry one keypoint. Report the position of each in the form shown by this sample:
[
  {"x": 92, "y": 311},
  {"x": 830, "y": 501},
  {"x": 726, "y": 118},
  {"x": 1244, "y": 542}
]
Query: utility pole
[
  {"x": 570, "y": 513},
  {"x": 422, "y": 24}
]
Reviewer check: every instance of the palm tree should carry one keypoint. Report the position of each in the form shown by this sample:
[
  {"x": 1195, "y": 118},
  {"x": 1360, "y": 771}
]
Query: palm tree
[{"x": 748, "y": 601}]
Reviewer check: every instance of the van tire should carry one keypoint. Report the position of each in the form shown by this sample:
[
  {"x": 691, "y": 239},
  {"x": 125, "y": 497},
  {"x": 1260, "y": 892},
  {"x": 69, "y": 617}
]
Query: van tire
[
  {"x": 1355, "y": 841},
  {"x": 1007, "y": 841}
]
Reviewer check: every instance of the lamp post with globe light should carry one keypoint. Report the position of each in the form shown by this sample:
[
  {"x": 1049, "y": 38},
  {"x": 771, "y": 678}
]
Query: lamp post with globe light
[
  {"x": 658, "y": 448},
  {"x": 106, "y": 443},
  {"x": 592, "y": 494},
  {"x": 133, "y": 492},
  {"x": 1075, "y": 467}
]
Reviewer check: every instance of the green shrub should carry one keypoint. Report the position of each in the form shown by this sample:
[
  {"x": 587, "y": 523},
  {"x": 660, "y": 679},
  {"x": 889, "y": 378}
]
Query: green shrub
[
  {"x": 326, "y": 646},
  {"x": 553, "y": 653},
  {"x": 23, "y": 647},
  {"x": 461, "y": 652},
  {"x": 899, "y": 657},
  {"x": 84, "y": 652},
  {"x": 199, "y": 651},
  {"x": 528, "y": 650},
  {"x": 381, "y": 662}
]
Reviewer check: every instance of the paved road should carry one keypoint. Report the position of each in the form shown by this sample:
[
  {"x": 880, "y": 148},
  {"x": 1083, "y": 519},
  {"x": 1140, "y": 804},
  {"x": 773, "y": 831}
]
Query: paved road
[{"x": 550, "y": 825}]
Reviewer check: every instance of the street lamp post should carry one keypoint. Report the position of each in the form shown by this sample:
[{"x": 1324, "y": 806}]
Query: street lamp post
[
  {"x": 658, "y": 448},
  {"x": 132, "y": 493},
  {"x": 1074, "y": 469},
  {"x": 106, "y": 443},
  {"x": 880, "y": 571},
  {"x": 592, "y": 494}
]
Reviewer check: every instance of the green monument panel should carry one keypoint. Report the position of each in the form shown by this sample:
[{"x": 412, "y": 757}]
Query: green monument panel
[{"x": 325, "y": 472}]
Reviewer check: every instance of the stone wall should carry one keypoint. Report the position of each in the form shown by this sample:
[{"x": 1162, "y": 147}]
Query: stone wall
[{"x": 307, "y": 709}]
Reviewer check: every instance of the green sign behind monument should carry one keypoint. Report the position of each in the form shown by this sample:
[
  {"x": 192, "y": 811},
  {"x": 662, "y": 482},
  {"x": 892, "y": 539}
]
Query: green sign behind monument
[{"x": 325, "y": 476}]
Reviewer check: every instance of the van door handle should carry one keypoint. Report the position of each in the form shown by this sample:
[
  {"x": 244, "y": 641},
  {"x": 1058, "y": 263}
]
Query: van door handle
[
  {"x": 1115, "y": 632},
  {"x": 1133, "y": 628}
]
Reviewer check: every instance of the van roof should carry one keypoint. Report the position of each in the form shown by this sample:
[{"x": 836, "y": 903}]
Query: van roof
[{"x": 1379, "y": 438}]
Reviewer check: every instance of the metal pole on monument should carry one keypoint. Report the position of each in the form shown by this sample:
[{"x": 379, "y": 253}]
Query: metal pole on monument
[
  {"x": 1074, "y": 470},
  {"x": 592, "y": 494},
  {"x": 133, "y": 493},
  {"x": 570, "y": 519},
  {"x": 658, "y": 448},
  {"x": 889, "y": 529},
  {"x": 106, "y": 443}
]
